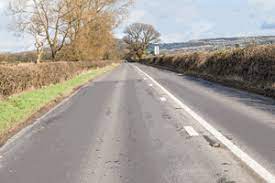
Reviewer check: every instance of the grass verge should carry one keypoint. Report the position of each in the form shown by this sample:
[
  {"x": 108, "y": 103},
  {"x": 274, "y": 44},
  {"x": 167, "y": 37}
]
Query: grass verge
[{"x": 17, "y": 110}]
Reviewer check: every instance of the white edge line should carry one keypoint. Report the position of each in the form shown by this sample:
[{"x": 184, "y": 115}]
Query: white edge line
[
  {"x": 191, "y": 131},
  {"x": 254, "y": 165}
]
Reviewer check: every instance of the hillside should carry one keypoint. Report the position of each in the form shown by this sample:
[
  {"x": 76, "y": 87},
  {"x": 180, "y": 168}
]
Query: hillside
[{"x": 216, "y": 43}]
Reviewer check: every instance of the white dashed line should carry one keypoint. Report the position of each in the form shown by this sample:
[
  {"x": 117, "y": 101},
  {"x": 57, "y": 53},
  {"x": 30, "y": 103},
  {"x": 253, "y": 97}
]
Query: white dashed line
[
  {"x": 250, "y": 162},
  {"x": 191, "y": 131},
  {"x": 151, "y": 85},
  {"x": 163, "y": 99}
]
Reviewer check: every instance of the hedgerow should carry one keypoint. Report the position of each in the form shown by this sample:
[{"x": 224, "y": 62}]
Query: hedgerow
[
  {"x": 250, "y": 68},
  {"x": 18, "y": 78}
]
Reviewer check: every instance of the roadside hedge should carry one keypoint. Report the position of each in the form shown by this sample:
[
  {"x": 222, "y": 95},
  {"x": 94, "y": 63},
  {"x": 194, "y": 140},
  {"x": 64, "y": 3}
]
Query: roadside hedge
[
  {"x": 251, "y": 68},
  {"x": 18, "y": 78}
]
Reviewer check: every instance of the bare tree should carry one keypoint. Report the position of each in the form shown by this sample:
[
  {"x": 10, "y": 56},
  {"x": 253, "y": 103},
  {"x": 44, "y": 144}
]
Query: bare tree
[
  {"x": 45, "y": 20},
  {"x": 57, "y": 23},
  {"x": 138, "y": 38}
]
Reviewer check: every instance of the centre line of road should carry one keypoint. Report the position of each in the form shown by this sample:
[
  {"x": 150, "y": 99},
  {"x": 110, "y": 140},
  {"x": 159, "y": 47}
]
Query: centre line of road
[
  {"x": 250, "y": 162},
  {"x": 191, "y": 131},
  {"x": 163, "y": 99}
]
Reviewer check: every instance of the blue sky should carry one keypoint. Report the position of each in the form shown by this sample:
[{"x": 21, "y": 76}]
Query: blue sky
[{"x": 182, "y": 20}]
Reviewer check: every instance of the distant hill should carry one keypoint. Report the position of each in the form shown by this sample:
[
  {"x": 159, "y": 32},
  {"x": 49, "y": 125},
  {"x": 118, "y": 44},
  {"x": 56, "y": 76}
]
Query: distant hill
[{"x": 215, "y": 44}]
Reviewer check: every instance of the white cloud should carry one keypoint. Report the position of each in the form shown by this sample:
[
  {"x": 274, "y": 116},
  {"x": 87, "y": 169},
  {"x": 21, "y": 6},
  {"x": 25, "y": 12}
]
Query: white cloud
[
  {"x": 13, "y": 43},
  {"x": 162, "y": 13},
  {"x": 173, "y": 37},
  {"x": 196, "y": 30},
  {"x": 3, "y": 5},
  {"x": 183, "y": 20},
  {"x": 265, "y": 5},
  {"x": 136, "y": 16},
  {"x": 199, "y": 29},
  {"x": 268, "y": 25},
  {"x": 187, "y": 15},
  {"x": 8, "y": 41}
]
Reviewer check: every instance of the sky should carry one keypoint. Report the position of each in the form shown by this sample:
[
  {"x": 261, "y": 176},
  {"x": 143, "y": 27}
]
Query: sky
[{"x": 180, "y": 20}]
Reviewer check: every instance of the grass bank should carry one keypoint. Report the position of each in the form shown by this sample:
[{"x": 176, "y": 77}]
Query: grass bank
[{"x": 16, "y": 111}]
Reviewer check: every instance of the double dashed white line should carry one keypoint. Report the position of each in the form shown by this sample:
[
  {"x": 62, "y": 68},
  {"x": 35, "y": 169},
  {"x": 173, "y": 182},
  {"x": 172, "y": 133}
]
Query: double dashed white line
[
  {"x": 250, "y": 162},
  {"x": 191, "y": 131}
]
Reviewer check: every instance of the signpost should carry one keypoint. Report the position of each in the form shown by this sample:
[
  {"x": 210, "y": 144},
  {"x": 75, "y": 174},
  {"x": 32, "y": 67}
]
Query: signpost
[{"x": 156, "y": 50}]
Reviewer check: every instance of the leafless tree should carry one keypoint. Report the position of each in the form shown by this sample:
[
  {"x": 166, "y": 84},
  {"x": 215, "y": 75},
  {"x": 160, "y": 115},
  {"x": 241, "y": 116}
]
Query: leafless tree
[
  {"x": 138, "y": 38},
  {"x": 44, "y": 20},
  {"x": 57, "y": 23}
]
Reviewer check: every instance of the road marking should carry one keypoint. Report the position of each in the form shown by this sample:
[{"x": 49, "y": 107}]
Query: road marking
[
  {"x": 163, "y": 99},
  {"x": 191, "y": 131},
  {"x": 254, "y": 165},
  {"x": 151, "y": 85},
  {"x": 144, "y": 79}
]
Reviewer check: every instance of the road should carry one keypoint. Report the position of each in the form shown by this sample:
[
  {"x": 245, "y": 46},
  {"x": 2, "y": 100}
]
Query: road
[{"x": 123, "y": 128}]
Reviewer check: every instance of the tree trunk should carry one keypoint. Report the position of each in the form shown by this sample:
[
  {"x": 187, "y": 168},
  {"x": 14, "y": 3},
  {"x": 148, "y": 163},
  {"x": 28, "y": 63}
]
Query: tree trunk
[
  {"x": 39, "y": 51},
  {"x": 39, "y": 56},
  {"x": 53, "y": 55}
]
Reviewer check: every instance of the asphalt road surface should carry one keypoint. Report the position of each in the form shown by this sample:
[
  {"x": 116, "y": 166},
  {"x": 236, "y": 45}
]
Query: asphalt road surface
[{"x": 123, "y": 128}]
